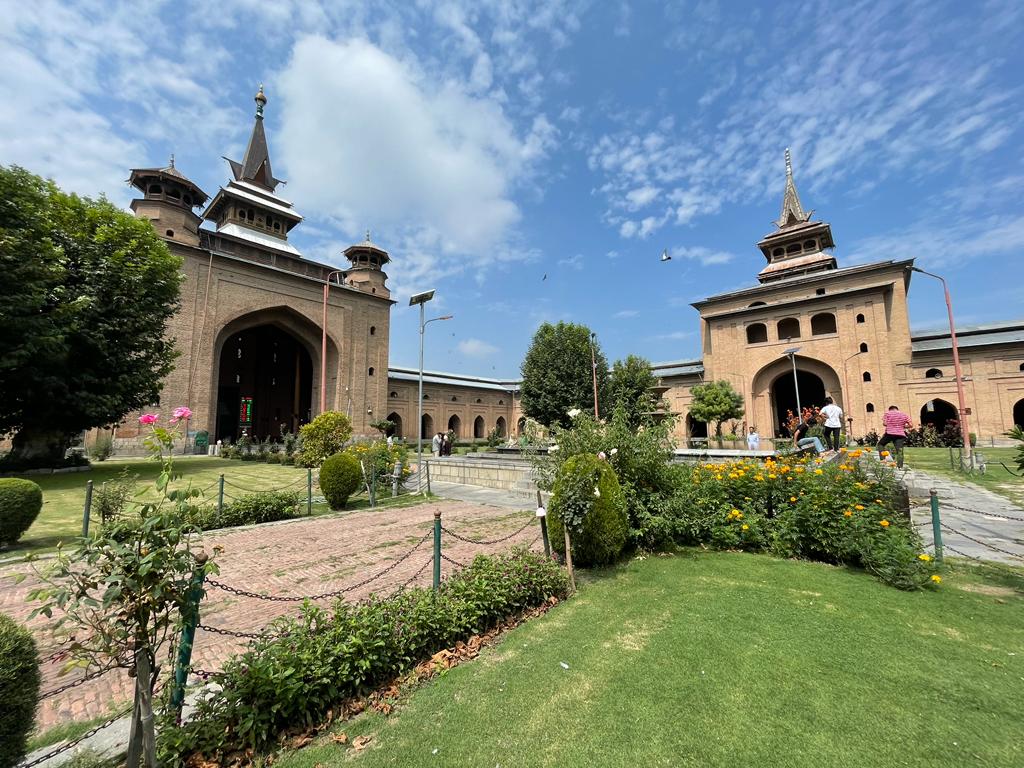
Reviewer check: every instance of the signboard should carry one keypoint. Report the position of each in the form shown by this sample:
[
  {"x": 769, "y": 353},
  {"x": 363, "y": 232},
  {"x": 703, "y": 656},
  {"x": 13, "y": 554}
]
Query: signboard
[{"x": 245, "y": 412}]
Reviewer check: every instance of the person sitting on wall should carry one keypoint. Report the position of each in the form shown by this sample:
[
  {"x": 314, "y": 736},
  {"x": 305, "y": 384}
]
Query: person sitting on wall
[{"x": 801, "y": 440}]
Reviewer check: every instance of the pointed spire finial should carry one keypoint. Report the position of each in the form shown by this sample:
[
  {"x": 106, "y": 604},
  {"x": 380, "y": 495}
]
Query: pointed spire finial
[
  {"x": 792, "y": 210},
  {"x": 789, "y": 165},
  {"x": 172, "y": 159},
  {"x": 261, "y": 101},
  {"x": 368, "y": 235}
]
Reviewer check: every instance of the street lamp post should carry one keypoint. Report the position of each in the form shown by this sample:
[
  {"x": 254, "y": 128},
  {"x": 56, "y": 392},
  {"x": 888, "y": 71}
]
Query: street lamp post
[
  {"x": 791, "y": 353},
  {"x": 593, "y": 370},
  {"x": 421, "y": 299},
  {"x": 323, "y": 341},
  {"x": 964, "y": 433}
]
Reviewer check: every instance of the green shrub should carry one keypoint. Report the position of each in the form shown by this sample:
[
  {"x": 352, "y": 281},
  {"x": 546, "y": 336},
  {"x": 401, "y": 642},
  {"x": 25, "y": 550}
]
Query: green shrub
[
  {"x": 275, "y": 458},
  {"x": 588, "y": 499},
  {"x": 324, "y": 436},
  {"x": 340, "y": 476},
  {"x": 291, "y": 678},
  {"x": 288, "y": 460},
  {"x": 20, "y": 504},
  {"x": 103, "y": 448},
  {"x": 110, "y": 499},
  {"x": 19, "y": 690},
  {"x": 251, "y": 509}
]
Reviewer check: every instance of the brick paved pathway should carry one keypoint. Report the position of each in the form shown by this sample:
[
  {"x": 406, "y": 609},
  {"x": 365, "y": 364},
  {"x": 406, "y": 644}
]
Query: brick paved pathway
[{"x": 299, "y": 557}]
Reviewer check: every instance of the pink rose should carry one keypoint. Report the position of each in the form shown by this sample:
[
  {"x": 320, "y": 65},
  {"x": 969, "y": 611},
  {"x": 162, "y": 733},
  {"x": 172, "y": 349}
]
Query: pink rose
[
  {"x": 180, "y": 413},
  {"x": 149, "y": 418}
]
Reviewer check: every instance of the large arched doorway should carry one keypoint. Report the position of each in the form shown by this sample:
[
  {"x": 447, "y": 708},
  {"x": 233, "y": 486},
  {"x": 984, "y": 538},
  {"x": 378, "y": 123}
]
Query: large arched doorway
[
  {"x": 454, "y": 425},
  {"x": 784, "y": 394},
  {"x": 773, "y": 392},
  {"x": 1018, "y": 413},
  {"x": 695, "y": 429},
  {"x": 521, "y": 425},
  {"x": 938, "y": 413},
  {"x": 427, "y": 427},
  {"x": 395, "y": 430},
  {"x": 478, "y": 427},
  {"x": 499, "y": 425},
  {"x": 265, "y": 384}
]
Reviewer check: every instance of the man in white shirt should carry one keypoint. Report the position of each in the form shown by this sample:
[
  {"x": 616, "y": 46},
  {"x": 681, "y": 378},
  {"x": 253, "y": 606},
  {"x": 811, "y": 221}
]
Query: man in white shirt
[
  {"x": 753, "y": 439},
  {"x": 833, "y": 423}
]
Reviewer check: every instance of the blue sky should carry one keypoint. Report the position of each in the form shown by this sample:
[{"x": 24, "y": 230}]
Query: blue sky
[{"x": 487, "y": 143}]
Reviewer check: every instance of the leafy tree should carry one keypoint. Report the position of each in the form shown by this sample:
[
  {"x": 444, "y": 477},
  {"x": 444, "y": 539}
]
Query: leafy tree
[
  {"x": 324, "y": 436},
  {"x": 557, "y": 374},
  {"x": 630, "y": 387},
  {"x": 86, "y": 294},
  {"x": 716, "y": 401}
]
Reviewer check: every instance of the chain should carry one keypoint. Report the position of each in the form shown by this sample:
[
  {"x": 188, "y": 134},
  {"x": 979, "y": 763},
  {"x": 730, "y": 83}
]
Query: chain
[
  {"x": 324, "y": 595},
  {"x": 453, "y": 562},
  {"x": 75, "y": 684},
  {"x": 512, "y": 535},
  {"x": 75, "y": 741},
  {"x": 234, "y": 633},
  {"x": 983, "y": 543},
  {"x": 985, "y": 514},
  {"x": 413, "y": 578}
]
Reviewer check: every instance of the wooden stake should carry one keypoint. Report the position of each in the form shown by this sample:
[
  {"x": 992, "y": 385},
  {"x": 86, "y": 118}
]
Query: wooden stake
[{"x": 568, "y": 557}]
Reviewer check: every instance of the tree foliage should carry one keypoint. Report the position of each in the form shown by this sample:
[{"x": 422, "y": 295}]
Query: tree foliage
[
  {"x": 86, "y": 296},
  {"x": 716, "y": 401},
  {"x": 557, "y": 374},
  {"x": 324, "y": 436},
  {"x": 630, "y": 388}
]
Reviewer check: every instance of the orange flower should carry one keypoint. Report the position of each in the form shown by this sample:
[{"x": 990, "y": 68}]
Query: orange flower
[
  {"x": 884, "y": 523},
  {"x": 848, "y": 513},
  {"x": 859, "y": 507}
]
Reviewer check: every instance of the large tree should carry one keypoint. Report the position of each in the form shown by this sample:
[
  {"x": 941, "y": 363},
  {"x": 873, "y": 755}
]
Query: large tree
[
  {"x": 86, "y": 294},
  {"x": 630, "y": 388},
  {"x": 557, "y": 374},
  {"x": 716, "y": 401}
]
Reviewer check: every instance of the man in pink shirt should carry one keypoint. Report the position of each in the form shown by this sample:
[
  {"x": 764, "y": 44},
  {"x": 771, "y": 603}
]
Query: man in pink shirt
[{"x": 895, "y": 423}]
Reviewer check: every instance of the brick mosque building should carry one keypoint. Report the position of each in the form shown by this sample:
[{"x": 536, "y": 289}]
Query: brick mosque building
[{"x": 252, "y": 312}]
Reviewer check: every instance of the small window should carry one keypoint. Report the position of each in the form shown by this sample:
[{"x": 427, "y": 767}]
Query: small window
[
  {"x": 170, "y": 233},
  {"x": 823, "y": 323},
  {"x": 155, "y": 189},
  {"x": 860, "y": 318},
  {"x": 478, "y": 400},
  {"x": 863, "y": 347},
  {"x": 172, "y": 192},
  {"x": 277, "y": 227},
  {"x": 393, "y": 394},
  {"x": 188, "y": 201},
  {"x": 454, "y": 399},
  {"x": 789, "y": 328},
  {"x": 793, "y": 249},
  {"x": 426, "y": 397},
  {"x": 373, "y": 330},
  {"x": 758, "y": 304},
  {"x": 502, "y": 402},
  {"x": 810, "y": 245},
  {"x": 370, "y": 371},
  {"x": 757, "y": 333},
  {"x": 867, "y": 376},
  {"x": 870, "y": 407},
  {"x": 778, "y": 251},
  {"x": 819, "y": 292},
  {"x": 933, "y": 373},
  {"x": 1022, "y": 366}
]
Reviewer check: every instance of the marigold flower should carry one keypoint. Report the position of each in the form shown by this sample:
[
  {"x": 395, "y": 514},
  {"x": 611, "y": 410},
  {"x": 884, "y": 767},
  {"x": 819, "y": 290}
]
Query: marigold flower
[
  {"x": 848, "y": 513},
  {"x": 884, "y": 523},
  {"x": 924, "y": 556},
  {"x": 149, "y": 418},
  {"x": 759, "y": 477},
  {"x": 818, "y": 472},
  {"x": 772, "y": 477},
  {"x": 792, "y": 498},
  {"x": 745, "y": 527},
  {"x": 936, "y": 578},
  {"x": 859, "y": 507},
  {"x": 884, "y": 453}
]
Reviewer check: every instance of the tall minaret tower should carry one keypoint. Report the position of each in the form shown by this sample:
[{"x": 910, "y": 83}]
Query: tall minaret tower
[
  {"x": 798, "y": 245},
  {"x": 367, "y": 271},
  {"x": 168, "y": 200}
]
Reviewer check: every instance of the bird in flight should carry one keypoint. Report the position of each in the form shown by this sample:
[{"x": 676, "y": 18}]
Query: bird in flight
[
  {"x": 665, "y": 256},
  {"x": 545, "y": 277}
]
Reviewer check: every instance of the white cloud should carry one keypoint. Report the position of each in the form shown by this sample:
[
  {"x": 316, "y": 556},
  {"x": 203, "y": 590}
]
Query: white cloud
[
  {"x": 623, "y": 314},
  {"x": 573, "y": 262},
  {"x": 476, "y": 348},
  {"x": 675, "y": 335},
  {"x": 706, "y": 256}
]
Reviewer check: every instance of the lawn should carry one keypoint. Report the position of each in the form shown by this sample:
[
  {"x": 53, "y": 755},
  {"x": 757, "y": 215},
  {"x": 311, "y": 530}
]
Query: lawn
[
  {"x": 725, "y": 659},
  {"x": 997, "y": 478},
  {"x": 64, "y": 494}
]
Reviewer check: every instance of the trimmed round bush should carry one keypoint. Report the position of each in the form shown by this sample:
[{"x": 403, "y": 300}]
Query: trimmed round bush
[
  {"x": 340, "y": 476},
  {"x": 19, "y": 689},
  {"x": 20, "y": 503},
  {"x": 587, "y": 487}
]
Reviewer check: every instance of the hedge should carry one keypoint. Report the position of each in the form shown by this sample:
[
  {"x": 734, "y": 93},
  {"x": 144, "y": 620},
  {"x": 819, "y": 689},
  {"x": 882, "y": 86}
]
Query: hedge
[
  {"x": 20, "y": 504},
  {"x": 251, "y": 509},
  {"x": 19, "y": 690},
  {"x": 340, "y": 477},
  {"x": 589, "y": 483}
]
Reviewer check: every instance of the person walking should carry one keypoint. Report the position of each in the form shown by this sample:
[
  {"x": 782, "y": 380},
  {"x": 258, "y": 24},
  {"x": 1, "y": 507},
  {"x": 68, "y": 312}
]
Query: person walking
[
  {"x": 801, "y": 440},
  {"x": 895, "y": 424},
  {"x": 833, "y": 423}
]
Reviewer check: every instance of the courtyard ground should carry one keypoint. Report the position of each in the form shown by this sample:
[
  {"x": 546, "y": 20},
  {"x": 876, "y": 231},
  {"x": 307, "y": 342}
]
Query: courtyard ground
[
  {"x": 725, "y": 659},
  {"x": 997, "y": 477}
]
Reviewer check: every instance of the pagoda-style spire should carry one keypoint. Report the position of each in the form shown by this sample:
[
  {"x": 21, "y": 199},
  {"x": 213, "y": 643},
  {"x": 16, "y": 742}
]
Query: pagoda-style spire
[
  {"x": 255, "y": 166},
  {"x": 792, "y": 210}
]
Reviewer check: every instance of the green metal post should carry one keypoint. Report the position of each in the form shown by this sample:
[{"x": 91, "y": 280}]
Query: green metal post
[
  {"x": 87, "y": 510},
  {"x": 188, "y": 635},
  {"x": 220, "y": 495},
  {"x": 437, "y": 549},
  {"x": 309, "y": 491},
  {"x": 373, "y": 486},
  {"x": 543, "y": 515},
  {"x": 936, "y": 524}
]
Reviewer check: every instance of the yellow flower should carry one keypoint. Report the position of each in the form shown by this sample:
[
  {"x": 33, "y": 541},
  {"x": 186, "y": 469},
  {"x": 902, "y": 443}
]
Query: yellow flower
[
  {"x": 799, "y": 470},
  {"x": 936, "y": 578},
  {"x": 924, "y": 556},
  {"x": 818, "y": 472},
  {"x": 792, "y": 498},
  {"x": 772, "y": 477},
  {"x": 746, "y": 527},
  {"x": 739, "y": 515},
  {"x": 848, "y": 513},
  {"x": 718, "y": 477},
  {"x": 884, "y": 523},
  {"x": 884, "y": 453},
  {"x": 859, "y": 507},
  {"x": 879, "y": 501},
  {"x": 759, "y": 477}
]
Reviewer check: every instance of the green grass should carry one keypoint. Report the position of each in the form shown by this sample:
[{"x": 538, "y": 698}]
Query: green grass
[
  {"x": 726, "y": 659},
  {"x": 996, "y": 478},
  {"x": 64, "y": 494},
  {"x": 67, "y": 731}
]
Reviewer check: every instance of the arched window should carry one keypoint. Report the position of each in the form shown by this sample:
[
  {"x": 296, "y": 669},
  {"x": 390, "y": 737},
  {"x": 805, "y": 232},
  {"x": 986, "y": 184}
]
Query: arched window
[
  {"x": 277, "y": 227},
  {"x": 757, "y": 333},
  {"x": 860, "y": 318},
  {"x": 172, "y": 192},
  {"x": 863, "y": 347},
  {"x": 823, "y": 323},
  {"x": 454, "y": 398},
  {"x": 933, "y": 373},
  {"x": 870, "y": 407},
  {"x": 1022, "y": 366},
  {"x": 478, "y": 427},
  {"x": 867, "y": 376},
  {"x": 478, "y": 400},
  {"x": 393, "y": 394},
  {"x": 778, "y": 251},
  {"x": 501, "y": 402},
  {"x": 819, "y": 291},
  {"x": 426, "y": 397},
  {"x": 370, "y": 371},
  {"x": 788, "y": 328},
  {"x": 155, "y": 189},
  {"x": 170, "y": 233},
  {"x": 373, "y": 330},
  {"x": 810, "y": 245},
  {"x": 792, "y": 249},
  {"x": 757, "y": 304}
]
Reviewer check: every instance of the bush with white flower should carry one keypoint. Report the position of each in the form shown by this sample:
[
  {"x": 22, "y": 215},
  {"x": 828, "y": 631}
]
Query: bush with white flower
[{"x": 588, "y": 500}]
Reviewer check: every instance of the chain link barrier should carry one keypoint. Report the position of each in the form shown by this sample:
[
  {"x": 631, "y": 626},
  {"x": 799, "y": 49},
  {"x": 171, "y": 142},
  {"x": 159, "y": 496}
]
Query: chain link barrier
[
  {"x": 993, "y": 547},
  {"x": 456, "y": 563},
  {"x": 485, "y": 542},
  {"x": 77, "y": 740},
  {"x": 1000, "y": 515},
  {"x": 75, "y": 683}
]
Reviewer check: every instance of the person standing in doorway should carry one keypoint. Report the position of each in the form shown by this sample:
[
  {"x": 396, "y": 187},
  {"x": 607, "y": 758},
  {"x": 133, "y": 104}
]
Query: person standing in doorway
[
  {"x": 833, "y": 423},
  {"x": 895, "y": 424}
]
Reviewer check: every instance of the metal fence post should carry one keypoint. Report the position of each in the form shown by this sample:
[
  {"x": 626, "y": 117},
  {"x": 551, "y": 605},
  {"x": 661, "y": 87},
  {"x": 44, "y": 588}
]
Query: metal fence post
[
  {"x": 936, "y": 524},
  {"x": 188, "y": 634},
  {"x": 542, "y": 513},
  {"x": 426, "y": 464},
  {"x": 220, "y": 495},
  {"x": 87, "y": 510},
  {"x": 395, "y": 477},
  {"x": 437, "y": 549},
  {"x": 309, "y": 491}
]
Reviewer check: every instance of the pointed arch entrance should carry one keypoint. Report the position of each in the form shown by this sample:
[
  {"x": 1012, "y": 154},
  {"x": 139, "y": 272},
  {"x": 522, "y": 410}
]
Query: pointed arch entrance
[
  {"x": 500, "y": 426},
  {"x": 427, "y": 427},
  {"x": 395, "y": 430},
  {"x": 454, "y": 425},
  {"x": 1018, "y": 413},
  {"x": 478, "y": 428},
  {"x": 938, "y": 413},
  {"x": 774, "y": 391}
]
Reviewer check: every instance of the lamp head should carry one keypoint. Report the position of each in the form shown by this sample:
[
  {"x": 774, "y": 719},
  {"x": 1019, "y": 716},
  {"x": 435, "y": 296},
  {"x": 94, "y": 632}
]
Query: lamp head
[
  {"x": 421, "y": 298},
  {"x": 791, "y": 351}
]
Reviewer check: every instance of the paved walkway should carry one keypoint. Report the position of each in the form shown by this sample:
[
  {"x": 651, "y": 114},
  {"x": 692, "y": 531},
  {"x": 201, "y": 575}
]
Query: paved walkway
[
  {"x": 294, "y": 558},
  {"x": 976, "y": 522},
  {"x": 477, "y": 494}
]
